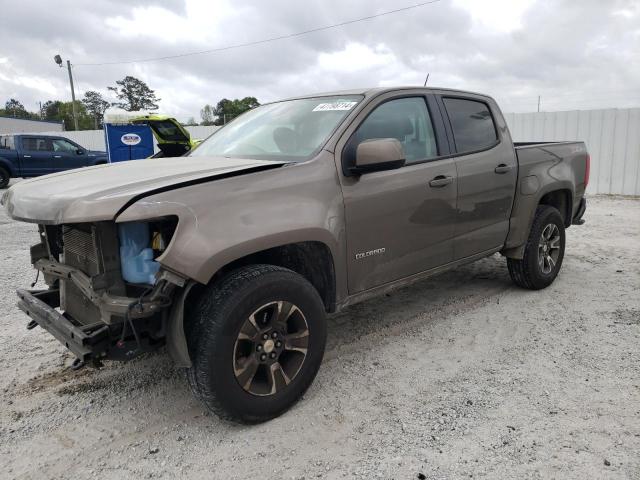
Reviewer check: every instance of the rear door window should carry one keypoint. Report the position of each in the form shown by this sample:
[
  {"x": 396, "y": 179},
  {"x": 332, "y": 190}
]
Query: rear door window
[
  {"x": 472, "y": 124},
  {"x": 37, "y": 144}
]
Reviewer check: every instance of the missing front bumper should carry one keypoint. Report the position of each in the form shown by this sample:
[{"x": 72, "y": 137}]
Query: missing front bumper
[
  {"x": 112, "y": 308},
  {"x": 92, "y": 342},
  {"x": 86, "y": 342}
]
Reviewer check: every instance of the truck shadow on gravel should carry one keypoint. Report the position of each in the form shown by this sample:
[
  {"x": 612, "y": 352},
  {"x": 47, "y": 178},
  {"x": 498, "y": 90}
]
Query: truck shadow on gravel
[{"x": 433, "y": 299}]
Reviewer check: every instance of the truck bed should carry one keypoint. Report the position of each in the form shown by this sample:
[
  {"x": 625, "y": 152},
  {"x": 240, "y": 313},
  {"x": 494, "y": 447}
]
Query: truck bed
[
  {"x": 542, "y": 167},
  {"x": 521, "y": 145}
]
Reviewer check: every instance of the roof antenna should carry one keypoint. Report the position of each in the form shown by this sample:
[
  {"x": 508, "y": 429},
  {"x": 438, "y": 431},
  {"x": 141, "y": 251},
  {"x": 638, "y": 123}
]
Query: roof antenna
[{"x": 426, "y": 79}]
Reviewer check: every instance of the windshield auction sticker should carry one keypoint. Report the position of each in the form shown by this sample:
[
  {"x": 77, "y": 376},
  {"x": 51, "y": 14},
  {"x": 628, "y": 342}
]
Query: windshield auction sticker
[{"x": 327, "y": 107}]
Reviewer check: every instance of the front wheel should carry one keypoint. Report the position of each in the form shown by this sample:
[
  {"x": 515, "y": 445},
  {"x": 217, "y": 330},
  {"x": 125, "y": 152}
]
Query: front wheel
[
  {"x": 5, "y": 177},
  {"x": 543, "y": 253},
  {"x": 256, "y": 340}
]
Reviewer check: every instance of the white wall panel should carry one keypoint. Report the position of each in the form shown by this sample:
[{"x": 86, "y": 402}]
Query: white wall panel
[
  {"x": 631, "y": 175},
  {"x": 21, "y": 125},
  {"x": 612, "y": 137}
]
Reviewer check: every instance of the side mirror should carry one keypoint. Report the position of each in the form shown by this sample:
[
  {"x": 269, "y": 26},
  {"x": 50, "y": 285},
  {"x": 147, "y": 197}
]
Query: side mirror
[
  {"x": 378, "y": 154},
  {"x": 80, "y": 151}
]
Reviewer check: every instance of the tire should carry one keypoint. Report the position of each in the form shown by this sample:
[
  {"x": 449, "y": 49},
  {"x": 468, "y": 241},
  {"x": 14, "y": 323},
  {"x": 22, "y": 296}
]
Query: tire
[
  {"x": 535, "y": 271},
  {"x": 243, "y": 304},
  {"x": 5, "y": 177}
]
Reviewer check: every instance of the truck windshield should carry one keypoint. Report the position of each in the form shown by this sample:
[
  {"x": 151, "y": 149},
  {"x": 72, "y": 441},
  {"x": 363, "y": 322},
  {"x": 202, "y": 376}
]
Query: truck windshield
[{"x": 291, "y": 130}]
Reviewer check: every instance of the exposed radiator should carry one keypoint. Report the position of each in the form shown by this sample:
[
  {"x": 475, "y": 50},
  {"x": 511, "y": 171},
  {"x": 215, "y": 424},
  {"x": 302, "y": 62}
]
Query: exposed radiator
[{"x": 80, "y": 249}]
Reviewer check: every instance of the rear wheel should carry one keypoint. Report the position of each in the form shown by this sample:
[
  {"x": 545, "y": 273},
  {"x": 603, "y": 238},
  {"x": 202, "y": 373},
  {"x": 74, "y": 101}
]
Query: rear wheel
[
  {"x": 543, "y": 252},
  {"x": 5, "y": 177},
  {"x": 256, "y": 340}
]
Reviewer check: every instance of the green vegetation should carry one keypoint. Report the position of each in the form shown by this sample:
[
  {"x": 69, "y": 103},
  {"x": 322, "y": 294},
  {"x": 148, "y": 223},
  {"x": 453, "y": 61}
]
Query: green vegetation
[{"x": 132, "y": 95}]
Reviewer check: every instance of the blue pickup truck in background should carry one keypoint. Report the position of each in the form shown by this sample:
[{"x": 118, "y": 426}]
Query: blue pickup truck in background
[{"x": 23, "y": 156}]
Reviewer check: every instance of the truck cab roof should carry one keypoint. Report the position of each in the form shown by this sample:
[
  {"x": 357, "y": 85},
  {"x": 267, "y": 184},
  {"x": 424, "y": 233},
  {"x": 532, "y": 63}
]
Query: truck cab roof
[{"x": 375, "y": 91}]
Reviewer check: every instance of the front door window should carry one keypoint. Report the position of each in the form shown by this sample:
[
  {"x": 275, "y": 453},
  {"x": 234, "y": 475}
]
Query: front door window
[{"x": 405, "y": 119}]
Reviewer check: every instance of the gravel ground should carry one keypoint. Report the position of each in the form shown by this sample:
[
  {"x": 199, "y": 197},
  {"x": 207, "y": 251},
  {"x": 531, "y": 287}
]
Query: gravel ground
[{"x": 459, "y": 376}]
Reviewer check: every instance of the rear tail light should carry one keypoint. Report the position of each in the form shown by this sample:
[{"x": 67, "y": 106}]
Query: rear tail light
[{"x": 587, "y": 171}]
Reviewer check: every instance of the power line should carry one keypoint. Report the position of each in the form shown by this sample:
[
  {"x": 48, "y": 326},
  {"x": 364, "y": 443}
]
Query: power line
[{"x": 259, "y": 42}]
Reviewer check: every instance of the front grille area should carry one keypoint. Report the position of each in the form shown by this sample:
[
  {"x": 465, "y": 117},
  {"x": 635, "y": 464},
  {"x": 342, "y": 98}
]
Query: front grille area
[{"x": 80, "y": 249}]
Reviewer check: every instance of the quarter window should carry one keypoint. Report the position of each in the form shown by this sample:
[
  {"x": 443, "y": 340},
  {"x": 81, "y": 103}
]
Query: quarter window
[
  {"x": 405, "y": 119},
  {"x": 6, "y": 143},
  {"x": 472, "y": 124}
]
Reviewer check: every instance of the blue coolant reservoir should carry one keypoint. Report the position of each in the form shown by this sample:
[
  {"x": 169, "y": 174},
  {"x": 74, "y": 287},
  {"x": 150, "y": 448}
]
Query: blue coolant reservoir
[{"x": 136, "y": 257}]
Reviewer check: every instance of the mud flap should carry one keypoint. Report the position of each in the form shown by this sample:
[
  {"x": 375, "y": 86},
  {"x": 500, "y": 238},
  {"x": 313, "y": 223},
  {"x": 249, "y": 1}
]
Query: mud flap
[
  {"x": 577, "y": 218},
  {"x": 176, "y": 339}
]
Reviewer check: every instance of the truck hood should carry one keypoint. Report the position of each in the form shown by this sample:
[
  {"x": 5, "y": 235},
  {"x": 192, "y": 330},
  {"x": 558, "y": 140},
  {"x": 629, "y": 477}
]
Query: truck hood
[{"x": 101, "y": 192}]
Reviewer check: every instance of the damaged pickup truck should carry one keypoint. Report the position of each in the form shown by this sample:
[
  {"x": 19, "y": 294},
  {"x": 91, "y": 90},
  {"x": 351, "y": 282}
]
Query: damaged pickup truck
[{"x": 233, "y": 256}]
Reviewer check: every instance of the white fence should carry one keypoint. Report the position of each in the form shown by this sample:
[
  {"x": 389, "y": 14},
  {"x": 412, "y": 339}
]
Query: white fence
[
  {"x": 94, "y": 139},
  {"x": 22, "y": 125},
  {"x": 612, "y": 137}
]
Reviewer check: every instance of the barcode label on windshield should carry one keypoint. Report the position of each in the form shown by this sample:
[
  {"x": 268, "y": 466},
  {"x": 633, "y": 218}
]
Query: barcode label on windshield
[{"x": 326, "y": 107}]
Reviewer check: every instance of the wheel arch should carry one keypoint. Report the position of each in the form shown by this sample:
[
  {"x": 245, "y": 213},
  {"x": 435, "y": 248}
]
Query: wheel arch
[
  {"x": 311, "y": 259},
  {"x": 559, "y": 195},
  {"x": 6, "y": 165},
  {"x": 562, "y": 200}
]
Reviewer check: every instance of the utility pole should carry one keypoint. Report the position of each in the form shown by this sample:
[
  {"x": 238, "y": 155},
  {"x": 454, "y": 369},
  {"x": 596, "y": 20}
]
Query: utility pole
[
  {"x": 538, "y": 103},
  {"x": 73, "y": 97},
  {"x": 58, "y": 60}
]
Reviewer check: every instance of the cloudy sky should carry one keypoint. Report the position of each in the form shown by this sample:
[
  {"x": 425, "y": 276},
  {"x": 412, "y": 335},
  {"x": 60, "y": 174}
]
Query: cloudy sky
[{"x": 575, "y": 54}]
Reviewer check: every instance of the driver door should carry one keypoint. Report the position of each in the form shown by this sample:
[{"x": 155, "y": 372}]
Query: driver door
[
  {"x": 67, "y": 155},
  {"x": 399, "y": 222}
]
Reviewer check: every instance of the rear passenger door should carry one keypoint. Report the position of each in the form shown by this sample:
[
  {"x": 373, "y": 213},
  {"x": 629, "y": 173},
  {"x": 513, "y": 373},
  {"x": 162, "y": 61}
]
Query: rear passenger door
[
  {"x": 487, "y": 172},
  {"x": 399, "y": 222},
  {"x": 37, "y": 156}
]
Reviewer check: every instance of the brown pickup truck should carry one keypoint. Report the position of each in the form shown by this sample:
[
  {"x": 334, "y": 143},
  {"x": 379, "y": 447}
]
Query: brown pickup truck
[{"x": 233, "y": 255}]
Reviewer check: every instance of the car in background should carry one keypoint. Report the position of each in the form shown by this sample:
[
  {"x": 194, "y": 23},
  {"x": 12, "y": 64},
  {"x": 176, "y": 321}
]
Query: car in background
[{"x": 32, "y": 155}]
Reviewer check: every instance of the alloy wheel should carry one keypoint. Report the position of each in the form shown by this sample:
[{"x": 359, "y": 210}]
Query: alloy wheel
[
  {"x": 549, "y": 248},
  {"x": 270, "y": 348}
]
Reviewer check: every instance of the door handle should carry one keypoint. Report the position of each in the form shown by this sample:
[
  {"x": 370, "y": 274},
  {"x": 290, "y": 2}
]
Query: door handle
[
  {"x": 441, "y": 181},
  {"x": 26, "y": 156},
  {"x": 502, "y": 168},
  {"x": 57, "y": 156}
]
